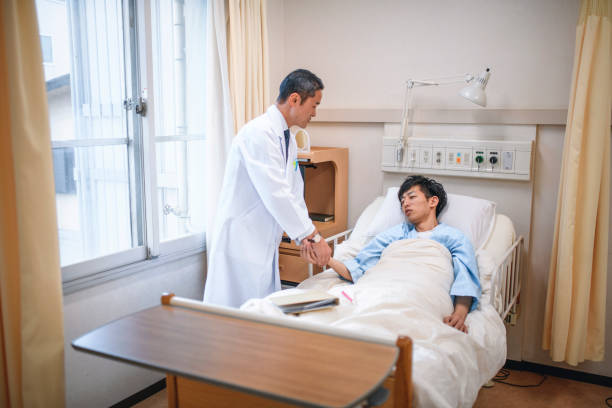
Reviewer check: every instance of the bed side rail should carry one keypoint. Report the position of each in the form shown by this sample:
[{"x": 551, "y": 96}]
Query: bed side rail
[
  {"x": 506, "y": 285},
  {"x": 343, "y": 234},
  {"x": 334, "y": 239}
]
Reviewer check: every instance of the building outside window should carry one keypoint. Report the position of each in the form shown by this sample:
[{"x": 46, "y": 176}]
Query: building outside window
[{"x": 126, "y": 107}]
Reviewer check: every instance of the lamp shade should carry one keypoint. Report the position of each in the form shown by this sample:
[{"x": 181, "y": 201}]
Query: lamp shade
[
  {"x": 475, "y": 94},
  {"x": 475, "y": 90}
]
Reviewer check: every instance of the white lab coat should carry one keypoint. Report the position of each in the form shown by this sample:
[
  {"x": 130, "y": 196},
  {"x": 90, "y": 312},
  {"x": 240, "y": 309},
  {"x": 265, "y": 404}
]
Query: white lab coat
[{"x": 262, "y": 196}]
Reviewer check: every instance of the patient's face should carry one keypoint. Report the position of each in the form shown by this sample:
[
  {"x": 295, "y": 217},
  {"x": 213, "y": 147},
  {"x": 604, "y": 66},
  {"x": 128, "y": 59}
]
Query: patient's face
[{"x": 417, "y": 207}]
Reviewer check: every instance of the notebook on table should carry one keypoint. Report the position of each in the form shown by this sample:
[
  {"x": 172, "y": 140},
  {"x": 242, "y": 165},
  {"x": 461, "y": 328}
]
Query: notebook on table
[{"x": 305, "y": 301}]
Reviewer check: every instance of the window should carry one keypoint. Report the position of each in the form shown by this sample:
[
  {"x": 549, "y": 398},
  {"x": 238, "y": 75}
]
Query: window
[
  {"x": 178, "y": 60},
  {"x": 126, "y": 107},
  {"x": 47, "y": 48}
]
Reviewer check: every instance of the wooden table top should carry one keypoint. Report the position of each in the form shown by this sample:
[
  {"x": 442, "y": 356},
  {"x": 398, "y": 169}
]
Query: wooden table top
[{"x": 282, "y": 363}]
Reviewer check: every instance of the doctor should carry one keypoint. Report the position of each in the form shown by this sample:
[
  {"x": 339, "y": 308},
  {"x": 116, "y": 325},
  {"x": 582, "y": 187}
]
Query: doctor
[{"x": 262, "y": 196}]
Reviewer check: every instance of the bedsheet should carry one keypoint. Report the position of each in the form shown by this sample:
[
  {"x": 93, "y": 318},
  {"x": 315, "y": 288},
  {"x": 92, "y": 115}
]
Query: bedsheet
[{"x": 407, "y": 293}]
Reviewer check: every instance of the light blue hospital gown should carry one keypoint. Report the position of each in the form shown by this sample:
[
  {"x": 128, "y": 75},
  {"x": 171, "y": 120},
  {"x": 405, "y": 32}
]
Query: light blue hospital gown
[{"x": 466, "y": 278}]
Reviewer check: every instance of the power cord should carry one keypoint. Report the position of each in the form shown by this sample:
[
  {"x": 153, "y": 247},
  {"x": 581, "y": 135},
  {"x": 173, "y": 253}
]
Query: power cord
[{"x": 503, "y": 375}]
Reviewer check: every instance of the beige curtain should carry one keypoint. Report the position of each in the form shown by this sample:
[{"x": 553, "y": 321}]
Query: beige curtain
[
  {"x": 248, "y": 59},
  {"x": 576, "y": 299},
  {"x": 31, "y": 324}
]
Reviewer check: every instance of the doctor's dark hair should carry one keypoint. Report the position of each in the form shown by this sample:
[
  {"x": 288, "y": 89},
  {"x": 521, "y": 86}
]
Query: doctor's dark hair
[
  {"x": 301, "y": 81},
  {"x": 429, "y": 187}
]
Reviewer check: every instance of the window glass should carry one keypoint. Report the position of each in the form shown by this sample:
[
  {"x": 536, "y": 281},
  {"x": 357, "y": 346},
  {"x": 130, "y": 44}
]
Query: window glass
[
  {"x": 47, "y": 48},
  {"x": 179, "y": 95},
  {"x": 180, "y": 189},
  {"x": 101, "y": 172},
  {"x": 85, "y": 91}
]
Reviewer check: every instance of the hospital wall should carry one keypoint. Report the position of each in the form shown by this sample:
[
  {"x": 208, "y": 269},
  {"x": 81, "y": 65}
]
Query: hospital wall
[
  {"x": 365, "y": 51},
  {"x": 92, "y": 381}
]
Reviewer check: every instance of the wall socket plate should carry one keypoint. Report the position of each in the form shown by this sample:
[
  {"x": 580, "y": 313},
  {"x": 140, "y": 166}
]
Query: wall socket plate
[{"x": 502, "y": 159}]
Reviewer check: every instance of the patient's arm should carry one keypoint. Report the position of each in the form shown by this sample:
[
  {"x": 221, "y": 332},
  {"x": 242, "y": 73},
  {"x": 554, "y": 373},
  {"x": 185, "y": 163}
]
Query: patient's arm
[
  {"x": 457, "y": 319},
  {"x": 309, "y": 254},
  {"x": 340, "y": 269}
]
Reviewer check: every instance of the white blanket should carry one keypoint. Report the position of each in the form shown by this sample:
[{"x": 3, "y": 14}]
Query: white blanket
[{"x": 407, "y": 292}]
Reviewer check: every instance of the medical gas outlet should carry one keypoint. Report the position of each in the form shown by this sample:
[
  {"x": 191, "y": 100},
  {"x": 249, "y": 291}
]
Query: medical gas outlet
[{"x": 467, "y": 158}]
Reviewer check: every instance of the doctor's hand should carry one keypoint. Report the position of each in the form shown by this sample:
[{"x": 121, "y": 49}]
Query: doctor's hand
[
  {"x": 316, "y": 253},
  {"x": 306, "y": 252},
  {"x": 322, "y": 252}
]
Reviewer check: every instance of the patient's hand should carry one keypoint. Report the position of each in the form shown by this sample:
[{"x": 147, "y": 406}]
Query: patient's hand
[
  {"x": 316, "y": 253},
  {"x": 457, "y": 319},
  {"x": 306, "y": 252},
  {"x": 322, "y": 252}
]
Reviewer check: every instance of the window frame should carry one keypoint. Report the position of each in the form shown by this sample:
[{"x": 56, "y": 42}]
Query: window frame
[{"x": 141, "y": 155}]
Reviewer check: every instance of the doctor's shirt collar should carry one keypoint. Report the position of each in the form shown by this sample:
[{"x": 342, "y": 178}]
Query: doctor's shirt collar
[{"x": 280, "y": 119}]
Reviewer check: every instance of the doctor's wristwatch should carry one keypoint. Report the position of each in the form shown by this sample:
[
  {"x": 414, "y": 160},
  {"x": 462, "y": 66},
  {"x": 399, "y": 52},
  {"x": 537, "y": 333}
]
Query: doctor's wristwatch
[{"x": 316, "y": 238}]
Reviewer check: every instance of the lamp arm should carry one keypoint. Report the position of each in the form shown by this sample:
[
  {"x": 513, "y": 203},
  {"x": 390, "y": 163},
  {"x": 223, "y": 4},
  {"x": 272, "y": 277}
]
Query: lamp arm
[
  {"x": 411, "y": 83},
  {"x": 399, "y": 150},
  {"x": 407, "y": 111}
]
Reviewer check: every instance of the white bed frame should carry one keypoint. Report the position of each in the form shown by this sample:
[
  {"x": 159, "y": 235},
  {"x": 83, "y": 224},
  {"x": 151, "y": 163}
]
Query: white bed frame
[{"x": 507, "y": 278}]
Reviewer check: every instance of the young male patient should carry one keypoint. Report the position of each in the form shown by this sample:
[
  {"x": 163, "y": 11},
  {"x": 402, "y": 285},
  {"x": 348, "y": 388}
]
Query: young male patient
[{"x": 422, "y": 199}]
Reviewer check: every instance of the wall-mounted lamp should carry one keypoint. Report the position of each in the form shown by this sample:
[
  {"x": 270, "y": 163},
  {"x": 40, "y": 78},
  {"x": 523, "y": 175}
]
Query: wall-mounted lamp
[{"x": 474, "y": 92}]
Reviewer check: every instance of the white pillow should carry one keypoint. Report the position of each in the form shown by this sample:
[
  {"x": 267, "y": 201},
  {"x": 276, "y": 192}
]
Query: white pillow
[
  {"x": 360, "y": 231},
  {"x": 473, "y": 216},
  {"x": 502, "y": 237},
  {"x": 350, "y": 248},
  {"x": 389, "y": 214}
]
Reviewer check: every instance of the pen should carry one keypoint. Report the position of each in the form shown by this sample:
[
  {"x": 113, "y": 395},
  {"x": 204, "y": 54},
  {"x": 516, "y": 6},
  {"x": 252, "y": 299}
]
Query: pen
[{"x": 347, "y": 296}]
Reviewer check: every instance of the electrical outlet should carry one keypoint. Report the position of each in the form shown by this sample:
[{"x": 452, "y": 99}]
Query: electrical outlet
[
  {"x": 479, "y": 157},
  {"x": 493, "y": 160},
  {"x": 412, "y": 157},
  {"x": 438, "y": 158},
  {"x": 426, "y": 157}
]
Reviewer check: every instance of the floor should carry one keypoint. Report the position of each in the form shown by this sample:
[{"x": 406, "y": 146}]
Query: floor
[{"x": 554, "y": 392}]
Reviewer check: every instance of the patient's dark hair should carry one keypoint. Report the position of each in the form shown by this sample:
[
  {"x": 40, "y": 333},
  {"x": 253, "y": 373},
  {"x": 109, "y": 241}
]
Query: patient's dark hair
[
  {"x": 429, "y": 187},
  {"x": 302, "y": 81}
]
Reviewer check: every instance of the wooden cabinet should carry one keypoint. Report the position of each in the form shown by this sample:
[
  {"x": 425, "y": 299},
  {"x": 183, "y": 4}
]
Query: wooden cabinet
[{"x": 325, "y": 171}]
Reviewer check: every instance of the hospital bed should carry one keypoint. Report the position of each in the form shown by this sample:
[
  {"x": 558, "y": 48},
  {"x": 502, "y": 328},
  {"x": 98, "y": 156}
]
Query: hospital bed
[
  {"x": 431, "y": 365},
  {"x": 448, "y": 366}
]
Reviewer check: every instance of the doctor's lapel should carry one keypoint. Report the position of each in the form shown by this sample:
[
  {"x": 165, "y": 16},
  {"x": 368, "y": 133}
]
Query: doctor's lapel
[
  {"x": 281, "y": 146},
  {"x": 287, "y": 154},
  {"x": 292, "y": 159}
]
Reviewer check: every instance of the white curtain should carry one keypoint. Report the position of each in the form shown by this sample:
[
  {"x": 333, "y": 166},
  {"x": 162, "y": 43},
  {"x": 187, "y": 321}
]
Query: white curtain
[{"x": 219, "y": 118}]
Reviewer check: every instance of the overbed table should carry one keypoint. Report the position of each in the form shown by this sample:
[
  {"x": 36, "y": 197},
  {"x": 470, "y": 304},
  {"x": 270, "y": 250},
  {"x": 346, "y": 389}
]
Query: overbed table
[{"x": 216, "y": 360}]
